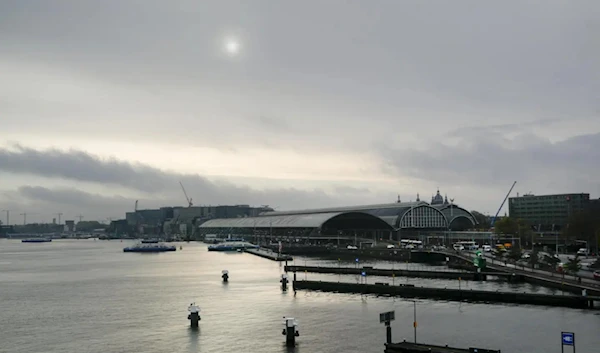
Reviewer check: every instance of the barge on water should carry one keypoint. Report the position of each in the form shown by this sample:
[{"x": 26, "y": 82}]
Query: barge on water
[
  {"x": 36, "y": 240},
  {"x": 232, "y": 246},
  {"x": 149, "y": 247}
]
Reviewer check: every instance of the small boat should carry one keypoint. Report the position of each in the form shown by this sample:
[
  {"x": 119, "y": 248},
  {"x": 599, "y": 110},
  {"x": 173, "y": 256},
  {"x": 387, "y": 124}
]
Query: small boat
[
  {"x": 149, "y": 247},
  {"x": 36, "y": 240},
  {"x": 232, "y": 246}
]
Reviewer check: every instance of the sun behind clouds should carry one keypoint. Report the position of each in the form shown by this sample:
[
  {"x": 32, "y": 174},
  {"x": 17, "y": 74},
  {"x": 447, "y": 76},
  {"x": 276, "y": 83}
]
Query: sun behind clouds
[{"x": 232, "y": 46}]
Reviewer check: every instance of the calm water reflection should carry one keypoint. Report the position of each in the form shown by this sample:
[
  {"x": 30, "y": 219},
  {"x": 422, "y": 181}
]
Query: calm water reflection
[{"x": 89, "y": 296}]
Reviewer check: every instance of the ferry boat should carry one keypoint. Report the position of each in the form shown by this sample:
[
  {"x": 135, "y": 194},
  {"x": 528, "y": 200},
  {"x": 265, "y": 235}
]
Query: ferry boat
[
  {"x": 232, "y": 246},
  {"x": 36, "y": 240},
  {"x": 152, "y": 247}
]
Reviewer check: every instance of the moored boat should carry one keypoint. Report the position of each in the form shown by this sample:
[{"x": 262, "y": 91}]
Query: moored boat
[
  {"x": 152, "y": 247},
  {"x": 232, "y": 246},
  {"x": 36, "y": 240}
]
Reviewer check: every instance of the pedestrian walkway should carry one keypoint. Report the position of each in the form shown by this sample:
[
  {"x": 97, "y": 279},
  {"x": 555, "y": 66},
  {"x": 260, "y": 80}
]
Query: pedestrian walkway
[{"x": 591, "y": 285}]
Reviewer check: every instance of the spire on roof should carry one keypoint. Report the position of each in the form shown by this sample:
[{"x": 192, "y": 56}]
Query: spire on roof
[
  {"x": 399, "y": 198},
  {"x": 437, "y": 199},
  {"x": 418, "y": 199}
]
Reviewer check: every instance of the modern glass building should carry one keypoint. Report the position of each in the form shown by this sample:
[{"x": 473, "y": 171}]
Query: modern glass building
[{"x": 547, "y": 212}]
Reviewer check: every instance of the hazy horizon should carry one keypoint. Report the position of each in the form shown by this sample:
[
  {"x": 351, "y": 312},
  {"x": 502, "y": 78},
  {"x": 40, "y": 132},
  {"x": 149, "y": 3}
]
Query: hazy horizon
[{"x": 295, "y": 105}]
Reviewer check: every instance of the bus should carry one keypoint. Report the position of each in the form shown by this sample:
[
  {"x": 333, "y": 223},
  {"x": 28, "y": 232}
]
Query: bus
[
  {"x": 468, "y": 245},
  {"x": 411, "y": 244}
]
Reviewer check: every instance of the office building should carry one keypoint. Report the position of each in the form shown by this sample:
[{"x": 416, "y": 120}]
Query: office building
[{"x": 547, "y": 212}]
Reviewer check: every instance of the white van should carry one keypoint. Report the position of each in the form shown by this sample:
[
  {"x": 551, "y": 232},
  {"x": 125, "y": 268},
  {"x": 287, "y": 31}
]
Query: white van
[
  {"x": 487, "y": 248},
  {"x": 458, "y": 247}
]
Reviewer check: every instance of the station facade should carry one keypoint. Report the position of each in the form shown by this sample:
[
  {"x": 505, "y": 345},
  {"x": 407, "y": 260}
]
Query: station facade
[{"x": 391, "y": 221}]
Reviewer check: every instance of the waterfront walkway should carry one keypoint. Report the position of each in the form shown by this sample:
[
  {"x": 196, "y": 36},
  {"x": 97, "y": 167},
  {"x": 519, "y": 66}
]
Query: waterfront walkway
[{"x": 590, "y": 285}]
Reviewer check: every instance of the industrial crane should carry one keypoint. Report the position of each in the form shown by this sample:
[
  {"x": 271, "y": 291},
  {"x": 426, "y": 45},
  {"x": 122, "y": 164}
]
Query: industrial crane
[
  {"x": 493, "y": 220},
  {"x": 189, "y": 201}
]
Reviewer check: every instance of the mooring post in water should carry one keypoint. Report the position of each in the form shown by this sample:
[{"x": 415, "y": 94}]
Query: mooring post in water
[
  {"x": 225, "y": 275},
  {"x": 294, "y": 282},
  {"x": 290, "y": 331},
  {"x": 284, "y": 281},
  {"x": 194, "y": 315},
  {"x": 387, "y": 318}
]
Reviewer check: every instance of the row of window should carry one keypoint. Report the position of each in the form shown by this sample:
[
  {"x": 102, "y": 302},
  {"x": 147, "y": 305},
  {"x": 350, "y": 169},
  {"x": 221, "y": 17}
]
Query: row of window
[{"x": 423, "y": 217}]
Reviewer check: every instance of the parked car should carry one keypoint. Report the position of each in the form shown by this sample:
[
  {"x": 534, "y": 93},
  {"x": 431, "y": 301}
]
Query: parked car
[
  {"x": 597, "y": 275},
  {"x": 458, "y": 247},
  {"x": 582, "y": 251}
]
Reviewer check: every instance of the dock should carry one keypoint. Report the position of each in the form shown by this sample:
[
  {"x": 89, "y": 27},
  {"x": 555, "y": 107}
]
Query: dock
[
  {"x": 406, "y": 291},
  {"x": 269, "y": 254},
  {"x": 369, "y": 271},
  {"x": 407, "y": 347}
]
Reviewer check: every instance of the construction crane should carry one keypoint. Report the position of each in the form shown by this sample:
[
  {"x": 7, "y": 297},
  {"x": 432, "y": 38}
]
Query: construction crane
[
  {"x": 24, "y": 214},
  {"x": 59, "y": 214},
  {"x": 493, "y": 220},
  {"x": 189, "y": 201},
  {"x": 7, "y": 216}
]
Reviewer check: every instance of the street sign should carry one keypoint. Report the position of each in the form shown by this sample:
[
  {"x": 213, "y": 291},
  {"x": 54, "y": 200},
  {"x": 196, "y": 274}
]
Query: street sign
[
  {"x": 387, "y": 316},
  {"x": 568, "y": 338},
  {"x": 363, "y": 273}
]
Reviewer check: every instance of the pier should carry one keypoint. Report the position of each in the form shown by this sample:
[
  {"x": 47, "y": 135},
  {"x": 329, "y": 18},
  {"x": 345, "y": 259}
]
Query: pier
[
  {"x": 570, "y": 301},
  {"x": 369, "y": 271},
  {"x": 269, "y": 254},
  {"x": 407, "y": 347}
]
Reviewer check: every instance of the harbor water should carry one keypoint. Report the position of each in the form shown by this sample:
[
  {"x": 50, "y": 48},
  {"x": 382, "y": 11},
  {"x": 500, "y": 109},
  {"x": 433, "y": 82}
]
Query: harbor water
[{"x": 90, "y": 296}]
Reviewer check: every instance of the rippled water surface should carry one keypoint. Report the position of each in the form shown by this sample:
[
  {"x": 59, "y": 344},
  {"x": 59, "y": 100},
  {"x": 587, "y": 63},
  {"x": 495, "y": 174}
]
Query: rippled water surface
[{"x": 89, "y": 296}]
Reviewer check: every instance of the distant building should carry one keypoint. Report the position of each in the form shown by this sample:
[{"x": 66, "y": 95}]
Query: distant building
[
  {"x": 547, "y": 212},
  {"x": 119, "y": 227},
  {"x": 594, "y": 206},
  {"x": 183, "y": 220},
  {"x": 69, "y": 226}
]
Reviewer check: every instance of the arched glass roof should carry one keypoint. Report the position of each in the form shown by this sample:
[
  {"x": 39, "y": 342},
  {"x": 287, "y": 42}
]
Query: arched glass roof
[{"x": 281, "y": 221}]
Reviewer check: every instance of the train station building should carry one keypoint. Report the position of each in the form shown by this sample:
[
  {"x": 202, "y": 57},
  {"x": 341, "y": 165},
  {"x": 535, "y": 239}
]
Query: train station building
[{"x": 391, "y": 221}]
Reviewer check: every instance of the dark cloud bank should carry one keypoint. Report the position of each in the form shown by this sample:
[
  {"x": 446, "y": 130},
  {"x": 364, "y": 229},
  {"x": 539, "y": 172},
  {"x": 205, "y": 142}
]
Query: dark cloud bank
[{"x": 156, "y": 186}]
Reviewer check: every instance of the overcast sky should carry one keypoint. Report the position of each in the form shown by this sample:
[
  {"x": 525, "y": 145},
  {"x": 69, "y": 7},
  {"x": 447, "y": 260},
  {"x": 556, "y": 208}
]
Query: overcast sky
[{"x": 323, "y": 103}]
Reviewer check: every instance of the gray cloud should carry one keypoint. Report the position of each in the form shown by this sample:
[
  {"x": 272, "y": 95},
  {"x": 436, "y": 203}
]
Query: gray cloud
[
  {"x": 350, "y": 73},
  {"x": 71, "y": 197},
  {"x": 41, "y": 204},
  {"x": 339, "y": 80},
  {"x": 494, "y": 161},
  {"x": 157, "y": 185},
  {"x": 81, "y": 166}
]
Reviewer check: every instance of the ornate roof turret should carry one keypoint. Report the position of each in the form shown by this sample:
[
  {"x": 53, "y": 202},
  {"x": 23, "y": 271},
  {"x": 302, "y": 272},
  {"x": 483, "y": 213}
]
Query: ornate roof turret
[
  {"x": 398, "y": 199},
  {"x": 437, "y": 199},
  {"x": 418, "y": 199},
  {"x": 446, "y": 200}
]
